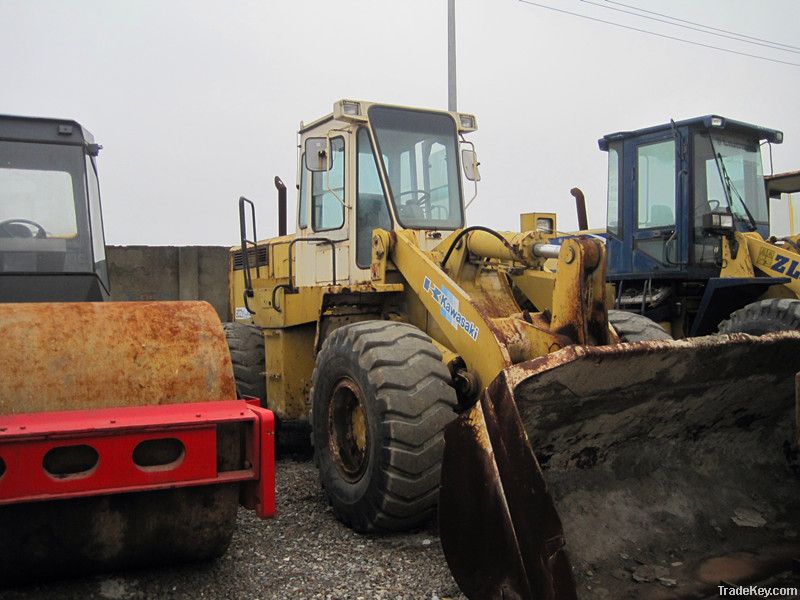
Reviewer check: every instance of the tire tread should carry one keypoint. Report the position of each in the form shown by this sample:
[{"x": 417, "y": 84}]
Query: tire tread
[
  {"x": 410, "y": 388},
  {"x": 763, "y": 316}
]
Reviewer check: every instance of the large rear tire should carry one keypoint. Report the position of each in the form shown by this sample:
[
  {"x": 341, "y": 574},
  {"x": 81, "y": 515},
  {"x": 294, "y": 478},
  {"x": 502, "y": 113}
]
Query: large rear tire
[
  {"x": 381, "y": 398},
  {"x": 633, "y": 327},
  {"x": 246, "y": 344},
  {"x": 764, "y": 316}
]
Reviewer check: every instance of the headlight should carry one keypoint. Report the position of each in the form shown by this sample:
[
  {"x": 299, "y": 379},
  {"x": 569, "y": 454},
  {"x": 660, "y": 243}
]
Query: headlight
[
  {"x": 718, "y": 222},
  {"x": 351, "y": 108},
  {"x": 466, "y": 121}
]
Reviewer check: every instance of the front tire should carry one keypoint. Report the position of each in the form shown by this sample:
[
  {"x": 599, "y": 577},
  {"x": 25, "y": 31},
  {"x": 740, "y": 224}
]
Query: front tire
[
  {"x": 381, "y": 398},
  {"x": 764, "y": 316},
  {"x": 633, "y": 327}
]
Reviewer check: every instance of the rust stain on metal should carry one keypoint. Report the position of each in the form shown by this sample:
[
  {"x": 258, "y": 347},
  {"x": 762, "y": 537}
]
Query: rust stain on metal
[
  {"x": 742, "y": 341},
  {"x": 476, "y": 422},
  {"x": 660, "y": 437},
  {"x": 65, "y": 356},
  {"x": 500, "y": 532},
  {"x": 490, "y": 293},
  {"x": 569, "y": 331},
  {"x": 592, "y": 251},
  {"x": 496, "y": 331}
]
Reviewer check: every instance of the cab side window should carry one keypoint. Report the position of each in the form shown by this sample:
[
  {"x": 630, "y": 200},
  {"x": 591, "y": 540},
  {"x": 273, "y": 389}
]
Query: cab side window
[
  {"x": 327, "y": 192},
  {"x": 302, "y": 202},
  {"x": 656, "y": 190},
  {"x": 613, "y": 189},
  {"x": 371, "y": 210}
]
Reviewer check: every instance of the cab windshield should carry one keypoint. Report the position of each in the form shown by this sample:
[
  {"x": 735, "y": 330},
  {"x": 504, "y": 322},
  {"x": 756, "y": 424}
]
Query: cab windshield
[
  {"x": 44, "y": 224},
  {"x": 730, "y": 177},
  {"x": 419, "y": 155}
]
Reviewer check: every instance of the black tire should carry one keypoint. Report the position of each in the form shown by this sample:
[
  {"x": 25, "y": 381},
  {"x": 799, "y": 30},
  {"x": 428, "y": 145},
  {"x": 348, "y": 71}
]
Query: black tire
[
  {"x": 633, "y": 327},
  {"x": 246, "y": 343},
  {"x": 380, "y": 469},
  {"x": 763, "y": 317}
]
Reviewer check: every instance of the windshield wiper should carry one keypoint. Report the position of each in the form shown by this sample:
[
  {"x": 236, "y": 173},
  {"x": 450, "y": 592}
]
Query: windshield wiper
[{"x": 730, "y": 187}]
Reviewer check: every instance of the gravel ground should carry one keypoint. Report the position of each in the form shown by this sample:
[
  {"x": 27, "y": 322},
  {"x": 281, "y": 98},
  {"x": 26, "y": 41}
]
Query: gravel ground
[{"x": 303, "y": 553}]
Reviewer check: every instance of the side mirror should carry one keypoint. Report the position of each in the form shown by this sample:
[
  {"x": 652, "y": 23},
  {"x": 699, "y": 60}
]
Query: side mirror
[
  {"x": 317, "y": 155},
  {"x": 470, "y": 161}
]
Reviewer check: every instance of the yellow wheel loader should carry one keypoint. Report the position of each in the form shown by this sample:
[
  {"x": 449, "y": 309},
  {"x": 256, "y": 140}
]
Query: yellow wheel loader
[
  {"x": 122, "y": 441},
  {"x": 557, "y": 454}
]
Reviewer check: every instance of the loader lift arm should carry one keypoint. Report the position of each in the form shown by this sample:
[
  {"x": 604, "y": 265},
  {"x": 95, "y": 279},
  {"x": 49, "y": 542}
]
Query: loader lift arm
[
  {"x": 489, "y": 344},
  {"x": 761, "y": 258},
  {"x": 486, "y": 448}
]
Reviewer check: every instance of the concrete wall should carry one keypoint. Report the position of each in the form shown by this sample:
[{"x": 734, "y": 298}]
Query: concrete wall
[{"x": 170, "y": 273}]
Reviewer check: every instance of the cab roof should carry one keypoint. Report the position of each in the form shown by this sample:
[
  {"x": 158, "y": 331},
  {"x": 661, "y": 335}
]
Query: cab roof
[
  {"x": 43, "y": 129},
  {"x": 707, "y": 122}
]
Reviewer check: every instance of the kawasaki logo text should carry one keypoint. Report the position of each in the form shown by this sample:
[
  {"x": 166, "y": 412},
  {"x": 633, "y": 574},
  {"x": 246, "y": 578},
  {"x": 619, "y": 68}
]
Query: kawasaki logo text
[{"x": 448, "y": 305}]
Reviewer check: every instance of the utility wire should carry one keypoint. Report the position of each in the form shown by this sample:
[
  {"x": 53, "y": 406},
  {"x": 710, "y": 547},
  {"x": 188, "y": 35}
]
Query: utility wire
[
  {"x": 723, "y": 35},
  {"x": 661, "y": 35},
  {"x": 741, "y": 35}
]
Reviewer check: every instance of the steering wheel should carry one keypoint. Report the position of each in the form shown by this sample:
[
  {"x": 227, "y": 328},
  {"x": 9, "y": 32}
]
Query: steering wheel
[
  {"x": 8, "y": 228},
  {"x": 422, "y": 196}
]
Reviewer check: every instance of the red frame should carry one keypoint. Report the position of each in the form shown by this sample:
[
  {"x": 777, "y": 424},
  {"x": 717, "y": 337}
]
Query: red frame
[{"x": 25, "y": 439}]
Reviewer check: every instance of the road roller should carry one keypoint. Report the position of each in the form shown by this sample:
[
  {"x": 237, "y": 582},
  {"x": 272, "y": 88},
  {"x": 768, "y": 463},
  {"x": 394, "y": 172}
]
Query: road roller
[{"x": 122, "y": 440}]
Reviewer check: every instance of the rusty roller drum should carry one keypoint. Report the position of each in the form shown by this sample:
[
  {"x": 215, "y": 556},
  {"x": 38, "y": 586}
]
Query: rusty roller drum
[{"x": 99, "y": 355}]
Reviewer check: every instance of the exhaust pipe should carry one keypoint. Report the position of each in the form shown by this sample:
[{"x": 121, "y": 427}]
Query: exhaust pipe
[
  {"x": 281, "y": 187},
  {"x": 580, "y": 204}
]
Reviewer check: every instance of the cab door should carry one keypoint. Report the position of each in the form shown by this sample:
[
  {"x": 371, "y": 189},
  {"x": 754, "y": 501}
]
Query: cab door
[
  {"x": 653, "y": 238},
  {"x": 326, "y": 233}
]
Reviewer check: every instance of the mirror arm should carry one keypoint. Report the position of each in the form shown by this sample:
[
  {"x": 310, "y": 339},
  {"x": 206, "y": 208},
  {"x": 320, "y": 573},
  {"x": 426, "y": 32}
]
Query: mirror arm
[{"x": 474, "y": 195}]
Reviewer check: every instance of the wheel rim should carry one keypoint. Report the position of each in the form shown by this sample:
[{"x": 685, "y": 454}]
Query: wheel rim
[{"x": 347, "y": 429}]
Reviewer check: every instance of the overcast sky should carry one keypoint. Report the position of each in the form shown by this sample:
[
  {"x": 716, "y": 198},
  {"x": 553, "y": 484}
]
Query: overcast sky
[{"x": 198, "y": 102}]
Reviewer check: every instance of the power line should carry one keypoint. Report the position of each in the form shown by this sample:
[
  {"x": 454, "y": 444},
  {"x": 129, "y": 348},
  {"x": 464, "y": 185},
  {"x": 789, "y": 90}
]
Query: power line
[
  {"x": 741, "y": 35},
  {"x": 661, "y": 35},
  {"x": 723, "y": 35}
]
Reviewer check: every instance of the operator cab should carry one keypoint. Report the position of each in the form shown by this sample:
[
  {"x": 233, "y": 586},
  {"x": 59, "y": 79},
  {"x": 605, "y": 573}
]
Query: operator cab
[
  {"x": 674, "y": 190},
  {"x": 367, "y": 166},
  {"x": 51, "y": 231}
]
